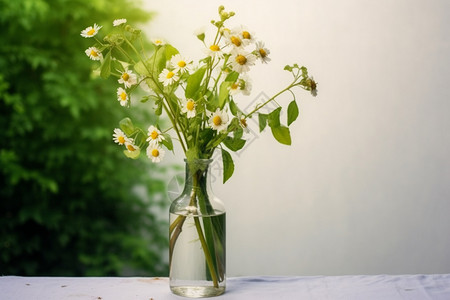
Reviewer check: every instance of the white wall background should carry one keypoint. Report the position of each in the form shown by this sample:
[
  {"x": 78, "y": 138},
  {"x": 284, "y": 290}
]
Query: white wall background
[{"x": 365, "y": 187}]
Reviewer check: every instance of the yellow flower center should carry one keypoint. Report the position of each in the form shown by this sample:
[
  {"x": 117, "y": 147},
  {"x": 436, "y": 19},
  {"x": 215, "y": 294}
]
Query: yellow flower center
[
  {"x": 121, "y": 139},
  {"x": 214, "y": 48},
  {"x": 234, "y": 86},
  {"x": 181, "y": 64},
  {"x": 158, "y": 42},
  {"x": 154, "y": 135},
  {"x": 170, "y": 74},
  {"x": 125, "y": 76},
  {"x": 190, "y": 105},
  {"x": 91, "y": 32},
  {"x": 94, "y": 53},
  {"x": 217, "y": 120},
  {"x": 236, "y": 41},
  {"x": 241, "y": 59},
  {"x": 246, "y": 35},
  {"x": 131, "y": 148},
  {"x": 262, "y": 52},
  {"x": 155, "y": 152},
  {"x": 123, "y": 96}
]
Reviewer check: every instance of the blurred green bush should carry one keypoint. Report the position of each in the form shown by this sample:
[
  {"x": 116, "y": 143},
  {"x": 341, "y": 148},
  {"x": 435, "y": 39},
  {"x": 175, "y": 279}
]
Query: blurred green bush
[{"x": 67, "y": 205}]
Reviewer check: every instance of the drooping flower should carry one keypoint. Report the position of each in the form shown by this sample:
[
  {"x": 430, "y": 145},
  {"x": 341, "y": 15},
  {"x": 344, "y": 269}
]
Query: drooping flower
[
  {"x": 242, "y": 84},
  {"x": 118, "y": 22},
  {"x": 94, "y": 53},
  {"x": 155, "y": 153},
  {"x": 218, "y": 120},
  {"x": 200, "y": 33},
  {"x": 132, "y": 148},
  {"x": 154, "y": 135},
  {"x": 188, "y": 108},
  {"x": 243, "y": 122},
  {"x": 214, "y": 51},
  {"x": 90, "y": 31},
  {"x": 311, "y": 85},
  {"x": 262, "y": 52},
  {"x": 119, "y": 137},
  {"x": 180, "y": 63},
  {"x": 122, "y": 96},
  {"x": 242, "y": 60},
  {"x": 168, "y": 77},
  {"x": 158, "y": 42},
  {"x": 128, "y": 78}
]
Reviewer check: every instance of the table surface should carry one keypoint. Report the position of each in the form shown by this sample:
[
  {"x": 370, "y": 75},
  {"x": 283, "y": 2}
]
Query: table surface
[{"x": 435, "y": 286}]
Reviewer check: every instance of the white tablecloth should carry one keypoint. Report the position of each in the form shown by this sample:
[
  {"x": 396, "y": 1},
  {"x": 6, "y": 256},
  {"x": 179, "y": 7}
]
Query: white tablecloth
[{"x": 383, "y": 287}]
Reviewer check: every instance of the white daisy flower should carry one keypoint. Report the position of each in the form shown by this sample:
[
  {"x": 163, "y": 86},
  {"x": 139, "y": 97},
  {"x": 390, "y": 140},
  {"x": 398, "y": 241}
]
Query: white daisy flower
[
  {"x": 218, "y": 120},
  {"x": 168, "y": 77},
  {"x": 132, "y": 148},
  {"x": 158, "y": 42},
  {"x": 262, "y": 52},
  {"x": 119, "y": 137},
  {"x": 247, "y": 36},
  {"x": 180, "y": 63},
  {"x": 234, "y": 39},
  {"x": 154, "y": 135},
  {"x": 155, "y": 153},
  {"x": 243, "y": 122},
  {"x": 94, "y": 53},
  {"x": 214, "y": 51},
  {"x": 242, "y": 60},
  {"x": 90, "y": 31},
  {"x": 188, "y": 108},
  {"x": 122, "y": 96},
  {"x": 128, "y": 78},
  {"x": 119, "y": 22}
]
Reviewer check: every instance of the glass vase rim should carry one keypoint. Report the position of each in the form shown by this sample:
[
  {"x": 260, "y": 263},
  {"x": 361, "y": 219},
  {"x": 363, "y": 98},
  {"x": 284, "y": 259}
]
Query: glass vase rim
[{"x": 204, "y": 160}]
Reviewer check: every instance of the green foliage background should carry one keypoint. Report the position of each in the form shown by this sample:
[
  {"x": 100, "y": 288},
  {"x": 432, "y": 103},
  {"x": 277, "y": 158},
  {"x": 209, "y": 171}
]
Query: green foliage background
[{"x": 67, "y": 206}]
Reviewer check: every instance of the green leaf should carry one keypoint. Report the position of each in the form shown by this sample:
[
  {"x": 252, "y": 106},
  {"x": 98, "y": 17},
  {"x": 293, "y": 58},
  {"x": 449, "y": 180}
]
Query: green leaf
[
  {"x": 234, "y": 144},
  {"x": 159, "y": 107},
  {"x": 170, "y": 51},
  {"x": 193, "y": 83},
  {"x": 105, "y": 70},
  {"x": 292, "y": 112},
  {"x": 167, "y": 141},
  {"x": 238, "y": 133},
  {"x": 224, "y": 93},
  {"x": 282, "y": 134},
  {"x": 233, "y": 76},
  {"x": 228, "y": 165},
  {"x": 127, "y": 126},
  {"x": 233, "y": 107},
  {"x": 288, "y": 68},
  {"x": 274, "y": 118},
  {"x": 141, "y": 69},
  {"x": 262, "y": 119}
]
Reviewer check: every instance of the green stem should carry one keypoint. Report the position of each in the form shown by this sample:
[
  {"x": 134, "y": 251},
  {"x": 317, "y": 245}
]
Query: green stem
[
  {"x": 208, "y": 257},
  {"x": 258, "y": 107}
]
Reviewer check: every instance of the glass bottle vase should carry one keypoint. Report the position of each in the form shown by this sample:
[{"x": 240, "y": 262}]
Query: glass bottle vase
[{"x": 197, "y": 236}]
